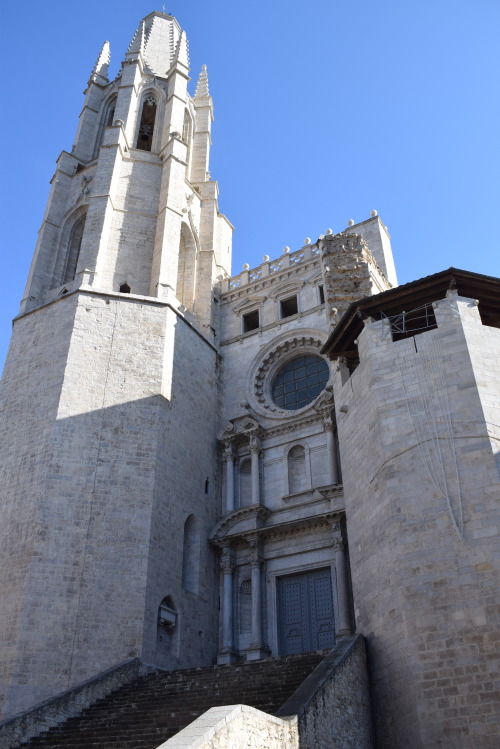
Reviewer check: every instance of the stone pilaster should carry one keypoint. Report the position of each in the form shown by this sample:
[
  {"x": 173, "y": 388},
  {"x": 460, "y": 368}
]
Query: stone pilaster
[
  {"x": 343, "y": 623},
  {"x": 257, "y": 648},
  {"x": 226, "y": 652},
  {"x": 255, "y": 451}
]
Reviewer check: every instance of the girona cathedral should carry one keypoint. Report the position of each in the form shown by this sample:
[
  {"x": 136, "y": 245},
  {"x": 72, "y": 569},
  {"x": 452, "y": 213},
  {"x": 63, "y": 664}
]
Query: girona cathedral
[{"x": 209, "y": 475}]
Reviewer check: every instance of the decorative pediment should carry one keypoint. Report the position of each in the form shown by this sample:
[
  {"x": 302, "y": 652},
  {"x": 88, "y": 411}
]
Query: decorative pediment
[
  {"x": 228, "y": 432},
  {"x": 241, "y": 521},
  {"x": 283, "y": 289},
  {"x": 240, "y": 426},
  {"x": 248, "y": 424},
  {"x": 248, "y": 303}
]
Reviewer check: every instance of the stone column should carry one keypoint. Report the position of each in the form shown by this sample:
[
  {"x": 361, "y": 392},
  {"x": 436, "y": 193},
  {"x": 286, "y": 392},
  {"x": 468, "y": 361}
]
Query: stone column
[
  {"x": 257, "y": 649},
  {"x": 331, "y": 451},
  {"x": 228, "y": 457},
  {"x": 343, "y": 624},
  {"x": 226, "y": 653},
  {"x": 255, "y": 449}
]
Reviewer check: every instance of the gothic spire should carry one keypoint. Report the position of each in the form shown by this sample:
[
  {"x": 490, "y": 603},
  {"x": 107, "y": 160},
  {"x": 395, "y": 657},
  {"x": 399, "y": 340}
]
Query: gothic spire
[
  {"x": 182, "y": 50},
  {"x": 138, "y": 40},
  {"x": 102, "y": 62},
  {"x": 202, "y": 91}
]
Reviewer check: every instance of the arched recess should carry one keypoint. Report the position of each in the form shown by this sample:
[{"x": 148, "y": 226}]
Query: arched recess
[
  {"x": 150, "y": 115},
  {"x": 70, "y": 246},
  {"x": 107, "y": 119},
  {"x": 187, "y": 137},
  {"x": 245, "y": 482},
  {"x": 191, "y": 555},
  {"x": 186, "y": 268},
  {"x": 297, "y": 467}
]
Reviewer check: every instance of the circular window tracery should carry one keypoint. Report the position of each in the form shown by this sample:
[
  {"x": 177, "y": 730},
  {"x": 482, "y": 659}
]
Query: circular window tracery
[
  {"x": 299, "y": 382},
  {"x": 269, "y": 364}
]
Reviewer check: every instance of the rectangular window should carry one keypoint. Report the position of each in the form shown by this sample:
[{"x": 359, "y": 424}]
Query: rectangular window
[
  {"x": 321, "y": 294},
  {"x": 288, "y": 307},
  {"x": 251, "y": 321}
]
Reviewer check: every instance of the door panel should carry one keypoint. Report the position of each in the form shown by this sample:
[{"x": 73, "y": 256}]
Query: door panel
[{"x": 305, "y": 612}]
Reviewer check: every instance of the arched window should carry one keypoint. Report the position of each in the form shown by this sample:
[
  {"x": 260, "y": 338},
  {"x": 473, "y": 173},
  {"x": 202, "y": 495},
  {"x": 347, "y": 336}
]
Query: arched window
[
  {"x": 73, "y": 251},
  {"x": 297, "y": 478},
  {"x": 245, "y": 607},
  {"x": 191, "y": 555},
  {"x": 107, "y": 119},
  {"x": 245, "y": 473},
  {"x": 110, "y": 112},
  {"x": 147, "y": 123}
]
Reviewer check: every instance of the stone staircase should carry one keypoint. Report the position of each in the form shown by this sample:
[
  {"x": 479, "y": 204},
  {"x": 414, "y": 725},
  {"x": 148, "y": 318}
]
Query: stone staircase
[{"x": 151, "y": 709}]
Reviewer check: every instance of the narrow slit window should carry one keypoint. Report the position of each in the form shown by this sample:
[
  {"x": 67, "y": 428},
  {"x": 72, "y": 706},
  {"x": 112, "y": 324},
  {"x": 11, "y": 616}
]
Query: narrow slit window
[
  {"x": 321, "y": 294},
  {"x": 111, "y": 114},
  {"x": 288, "y": 307},
  {"x": 251, "y": 321},
  {"x": 147, "y": 125}
]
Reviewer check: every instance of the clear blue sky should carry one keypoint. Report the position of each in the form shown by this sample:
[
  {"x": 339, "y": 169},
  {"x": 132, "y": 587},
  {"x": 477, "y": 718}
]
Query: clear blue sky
[{"x": 323, "y": 111}]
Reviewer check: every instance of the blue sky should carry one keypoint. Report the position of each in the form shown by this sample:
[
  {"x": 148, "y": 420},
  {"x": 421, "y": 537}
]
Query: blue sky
[{"x": 323, "y": 112}]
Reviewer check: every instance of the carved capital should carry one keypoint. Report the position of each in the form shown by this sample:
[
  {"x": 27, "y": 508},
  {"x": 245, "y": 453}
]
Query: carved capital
[
  {"x": 227, "y": 566},
  {"x": 255, "y": 552},
  {"x": 256, "y": 560},
  {"x": 226, "y": 561},
  {"x": 255, "y": 444},
  {"x": 327, "y": 424},
  {"x": 228, "y": 451},
  {"x": 338, "y": 541}
]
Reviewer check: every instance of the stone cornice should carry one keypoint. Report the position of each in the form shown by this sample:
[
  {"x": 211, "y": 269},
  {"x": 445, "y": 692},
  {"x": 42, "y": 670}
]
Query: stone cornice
[{"x": 291, "y": 426}]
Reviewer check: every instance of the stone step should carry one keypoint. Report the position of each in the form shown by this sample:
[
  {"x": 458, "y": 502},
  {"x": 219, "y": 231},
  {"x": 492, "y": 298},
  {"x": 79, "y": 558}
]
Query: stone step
[{"x": 151, "y": 709}]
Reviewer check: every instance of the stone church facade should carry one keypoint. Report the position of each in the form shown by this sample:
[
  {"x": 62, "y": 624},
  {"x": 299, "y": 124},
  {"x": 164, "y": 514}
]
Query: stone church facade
[{"x": 200, "y": 468}]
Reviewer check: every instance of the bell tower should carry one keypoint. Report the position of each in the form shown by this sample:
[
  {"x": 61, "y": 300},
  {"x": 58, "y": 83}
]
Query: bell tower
[
  {"x": 108, "y": 490},
  {"x": 133, "y": 204}
]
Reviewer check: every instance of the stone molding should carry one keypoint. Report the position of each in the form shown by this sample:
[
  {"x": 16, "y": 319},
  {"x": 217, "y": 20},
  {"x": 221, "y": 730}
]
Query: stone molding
[{"x": 300, "y": 343}]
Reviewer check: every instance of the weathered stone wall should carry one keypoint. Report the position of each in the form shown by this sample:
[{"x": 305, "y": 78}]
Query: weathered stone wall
[
  {"x": 333, "y": 704},
  {"x": 339, "y": 715},
  {"x": 102, "y": 467},
  {"x": 421, "y": 491}
]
